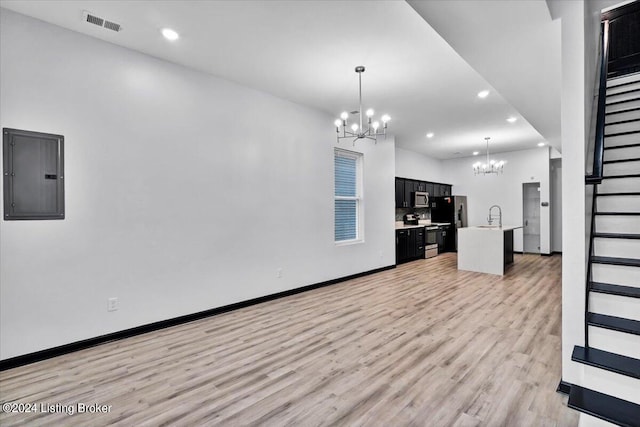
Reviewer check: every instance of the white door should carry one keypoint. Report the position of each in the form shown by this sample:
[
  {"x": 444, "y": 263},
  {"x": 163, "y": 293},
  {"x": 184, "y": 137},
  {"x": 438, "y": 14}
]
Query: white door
[{"x": 531, "y": 217}]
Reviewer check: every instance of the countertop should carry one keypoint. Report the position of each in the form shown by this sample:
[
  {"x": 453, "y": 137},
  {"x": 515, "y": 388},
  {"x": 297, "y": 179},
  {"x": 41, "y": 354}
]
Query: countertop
[
  {"x": 495, "y": 228},
  {"x": 422, "y": 223}
]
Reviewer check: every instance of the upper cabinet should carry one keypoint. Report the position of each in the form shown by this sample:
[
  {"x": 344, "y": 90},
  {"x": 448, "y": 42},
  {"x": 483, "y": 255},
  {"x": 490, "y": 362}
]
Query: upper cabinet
[{"x": 405, "y": 187}]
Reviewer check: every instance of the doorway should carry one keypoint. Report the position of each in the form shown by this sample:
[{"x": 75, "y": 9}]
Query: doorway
[{"x": 531, "y": 217}]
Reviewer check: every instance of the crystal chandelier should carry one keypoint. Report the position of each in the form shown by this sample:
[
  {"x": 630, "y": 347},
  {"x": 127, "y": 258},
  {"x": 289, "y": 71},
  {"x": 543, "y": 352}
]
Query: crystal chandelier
[
  {"x": 355, "y": 130},
  {"x": 491, "y": 166}
]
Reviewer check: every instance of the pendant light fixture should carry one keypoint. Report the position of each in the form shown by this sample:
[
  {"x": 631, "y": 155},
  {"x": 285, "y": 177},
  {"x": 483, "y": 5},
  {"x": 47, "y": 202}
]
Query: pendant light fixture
[
  {"x": 491, "y": 166},
  {"x": 357, "y": 130}
]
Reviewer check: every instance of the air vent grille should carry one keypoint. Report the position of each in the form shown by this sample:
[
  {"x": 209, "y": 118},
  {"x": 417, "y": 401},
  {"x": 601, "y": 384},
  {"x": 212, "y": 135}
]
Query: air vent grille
[
  {"x": 94, "y": 20},
  {"x": 101, "y": 22},
  {"x": 111, "y": 26}
]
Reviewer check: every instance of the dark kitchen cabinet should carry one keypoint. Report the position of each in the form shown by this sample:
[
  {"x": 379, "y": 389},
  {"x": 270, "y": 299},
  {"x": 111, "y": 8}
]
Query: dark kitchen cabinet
[
  {"x": 409, "y": 244},
  {"x": 428, "y": 187},
  {"x": 441, "y": 190},
  {"x": 446, "y": 239},
  {"x": 419, "y": 242},
  {"x": 404, "y": 190},
  {"x": 406, "y": 187},
  {"x": 409, "y": 187},
  {"x": 400, "y": 193}
]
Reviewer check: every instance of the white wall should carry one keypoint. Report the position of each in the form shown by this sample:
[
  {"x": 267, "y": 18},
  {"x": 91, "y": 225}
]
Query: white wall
[
  {"x": 410, "y": 164},
  {"x": 556, "y": 205},
  {"x": 504, "y": 190},
  {"x": 184, "y": 192},
  {"x": 574, "y": 113}
]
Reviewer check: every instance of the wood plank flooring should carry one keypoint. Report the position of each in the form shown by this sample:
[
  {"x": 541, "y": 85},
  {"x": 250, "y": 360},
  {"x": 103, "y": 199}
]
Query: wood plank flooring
[{"x": 420, "y": 345}]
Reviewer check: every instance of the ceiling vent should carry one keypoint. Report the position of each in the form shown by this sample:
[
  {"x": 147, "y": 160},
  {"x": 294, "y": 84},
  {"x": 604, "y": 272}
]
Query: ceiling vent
[{"x": 100, "y": 22}]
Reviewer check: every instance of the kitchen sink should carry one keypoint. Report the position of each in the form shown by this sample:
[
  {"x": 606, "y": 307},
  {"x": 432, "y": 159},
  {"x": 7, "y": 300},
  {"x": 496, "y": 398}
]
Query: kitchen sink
[{"x": 488, "y": 226}]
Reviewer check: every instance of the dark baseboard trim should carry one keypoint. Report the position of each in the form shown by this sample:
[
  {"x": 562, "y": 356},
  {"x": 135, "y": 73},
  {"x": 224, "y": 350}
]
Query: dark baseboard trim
[
  {"x": 518, "y": 252},
  {"x": 551, "y": 254},
  {"x": 38, "y": 356},
  {"x": 557, "y": 252},
  {"x": 564, "y": 387}
]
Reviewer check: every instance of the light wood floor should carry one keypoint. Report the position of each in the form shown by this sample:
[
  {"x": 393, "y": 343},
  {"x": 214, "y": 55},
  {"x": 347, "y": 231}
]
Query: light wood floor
[{"x": 421, "y": 345}]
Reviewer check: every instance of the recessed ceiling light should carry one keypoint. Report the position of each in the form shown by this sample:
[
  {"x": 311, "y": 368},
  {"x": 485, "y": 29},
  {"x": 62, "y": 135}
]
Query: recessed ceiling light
[
  {"x": 540, "y": 144},
  {"x": 170, "y": 34},
  {"x": 483, "y": 94},
  {"x": 512, "y": 119},
  {"x": 475, "y": 153},
  {"x": 430, "y": 135}
]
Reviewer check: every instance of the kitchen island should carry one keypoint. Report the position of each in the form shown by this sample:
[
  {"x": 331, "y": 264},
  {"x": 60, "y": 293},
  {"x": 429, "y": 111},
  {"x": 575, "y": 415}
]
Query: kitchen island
[{"x": 485, "y": 248}]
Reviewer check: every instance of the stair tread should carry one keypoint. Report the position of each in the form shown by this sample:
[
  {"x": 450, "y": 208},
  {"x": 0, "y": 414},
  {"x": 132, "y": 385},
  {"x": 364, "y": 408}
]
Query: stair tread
[
  {"x": 629, "y": 175},
  {"x": 611, "y": 289},
  {"x": 628, "y": 110},
  {"x": 628, "y": 193},
  {"x": 631, "y": 159},
  {"x": 615, "y": 147},
  {"x": 618, "y": 213},
  {"x": 623, "y": 365},
  {"x": 617, "y": 235},
  {"x": 619, "y": 324},
  {"x": 616, "y": 261},
  {"x": 605, "y": 407}
]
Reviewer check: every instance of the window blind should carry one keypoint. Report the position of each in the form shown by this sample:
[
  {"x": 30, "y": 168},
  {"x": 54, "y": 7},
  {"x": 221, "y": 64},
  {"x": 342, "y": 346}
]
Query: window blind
[{"x": 346, "y": 196}]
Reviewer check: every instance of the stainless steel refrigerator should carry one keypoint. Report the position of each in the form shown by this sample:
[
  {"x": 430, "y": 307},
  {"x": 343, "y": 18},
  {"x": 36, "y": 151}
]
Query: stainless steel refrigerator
[{"x": 451, "y": 209}]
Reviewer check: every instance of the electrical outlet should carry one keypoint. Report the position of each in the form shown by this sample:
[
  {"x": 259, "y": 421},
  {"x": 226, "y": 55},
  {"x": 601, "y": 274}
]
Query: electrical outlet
[
  {"x": 279, "y": 273},
  {"x": 112, "y": 304}
]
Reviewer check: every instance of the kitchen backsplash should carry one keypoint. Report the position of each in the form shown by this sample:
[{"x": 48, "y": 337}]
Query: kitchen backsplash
[{"x": 424, "y": 213}]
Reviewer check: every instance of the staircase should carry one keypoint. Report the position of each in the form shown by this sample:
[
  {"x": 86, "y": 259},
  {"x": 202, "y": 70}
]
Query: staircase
[{"x": 610, "y": 389}]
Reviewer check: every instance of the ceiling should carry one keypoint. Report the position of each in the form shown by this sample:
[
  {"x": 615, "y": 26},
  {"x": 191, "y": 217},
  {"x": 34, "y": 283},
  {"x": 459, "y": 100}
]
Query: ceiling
[{"x": 306, "y": 52}]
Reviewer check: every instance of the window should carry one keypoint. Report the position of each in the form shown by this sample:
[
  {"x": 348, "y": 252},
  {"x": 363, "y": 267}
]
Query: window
[{"x": 348, "y": 196}]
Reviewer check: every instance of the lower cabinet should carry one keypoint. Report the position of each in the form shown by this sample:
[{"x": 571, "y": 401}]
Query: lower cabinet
[{"x": 409, "y": 244}]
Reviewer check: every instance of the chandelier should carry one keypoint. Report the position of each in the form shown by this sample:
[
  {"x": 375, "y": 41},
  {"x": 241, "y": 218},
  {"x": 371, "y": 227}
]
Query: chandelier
[
  {"x": 491, "y": 166},
  {"x": 355, "y": 130}
]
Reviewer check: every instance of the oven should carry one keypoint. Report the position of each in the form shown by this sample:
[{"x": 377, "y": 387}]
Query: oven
[{"x": 431, "y": 241}]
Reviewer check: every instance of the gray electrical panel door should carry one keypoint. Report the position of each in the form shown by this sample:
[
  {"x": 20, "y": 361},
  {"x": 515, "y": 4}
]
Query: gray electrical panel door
[{"x": 33, "y": 175}]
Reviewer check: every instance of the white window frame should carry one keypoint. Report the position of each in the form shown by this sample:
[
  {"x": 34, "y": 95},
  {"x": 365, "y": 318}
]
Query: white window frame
[{"x": 359, "y": 198}]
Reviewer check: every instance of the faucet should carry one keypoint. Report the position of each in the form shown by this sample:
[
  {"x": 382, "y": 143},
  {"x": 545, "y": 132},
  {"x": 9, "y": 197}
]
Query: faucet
[{"x": 490, "y": 218}]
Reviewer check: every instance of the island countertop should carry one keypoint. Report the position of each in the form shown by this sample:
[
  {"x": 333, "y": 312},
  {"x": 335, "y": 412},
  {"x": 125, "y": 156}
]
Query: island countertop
[
  {"x": 495, "y": 227},
  {"x": 486, "y": 249}
]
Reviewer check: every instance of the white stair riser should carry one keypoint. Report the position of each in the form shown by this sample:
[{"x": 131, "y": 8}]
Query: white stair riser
[
  {"x": 622, "y": 95},
  {"x": 629, "y": 115},
  {"x": 614, "y": 305},
  {"x": 617, "y": 248},
  {"x": 607, "y": 382},
  {"x": 622, "y": 153},
  {"x": 619, "y": 184},
  {"x": 623, "y": 168},
  {"x": 619, "y": 203},
  {"x": 587, "y": 420},
  {"x": 622, "y": 127},
  {"x": 624, "y": 79},
  {"x": 616, "y": 275},
  {"x": 613, "y": 141},
  {"x": 623, "y": 106},
  {"x": 614, "y": 341},
  {"x": 615, "y": 90}
]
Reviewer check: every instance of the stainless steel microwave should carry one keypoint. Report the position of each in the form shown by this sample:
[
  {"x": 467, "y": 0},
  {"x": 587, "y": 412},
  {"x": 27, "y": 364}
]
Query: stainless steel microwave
[{"x": 420, "y": 199}]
